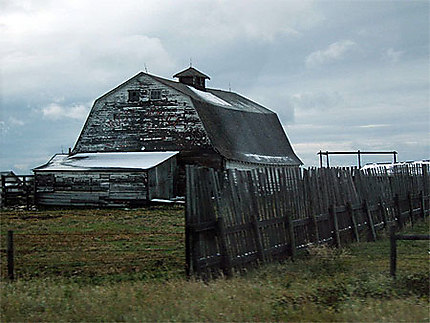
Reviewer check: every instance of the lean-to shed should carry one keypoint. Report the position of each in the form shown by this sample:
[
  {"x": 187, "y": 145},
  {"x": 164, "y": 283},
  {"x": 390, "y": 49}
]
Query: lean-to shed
[{"x": 106, "y": 179}]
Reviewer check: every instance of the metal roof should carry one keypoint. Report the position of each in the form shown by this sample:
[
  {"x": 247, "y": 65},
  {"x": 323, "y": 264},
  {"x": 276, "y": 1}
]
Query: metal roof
[
  {"x": 253, "y": 137},
  {"x": 105, "y": 161}
]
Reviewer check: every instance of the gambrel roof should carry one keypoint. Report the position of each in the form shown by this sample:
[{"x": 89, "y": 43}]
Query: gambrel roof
[{"x": 239, "y": 129}]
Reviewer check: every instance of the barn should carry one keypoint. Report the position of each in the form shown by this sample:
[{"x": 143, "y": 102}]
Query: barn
[{"x": 148, "y": 114}]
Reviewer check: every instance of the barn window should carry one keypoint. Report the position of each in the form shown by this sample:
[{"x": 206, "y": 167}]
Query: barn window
[
  {"x": 133, "y": 95},
  {"x": 155, "y": 94}
]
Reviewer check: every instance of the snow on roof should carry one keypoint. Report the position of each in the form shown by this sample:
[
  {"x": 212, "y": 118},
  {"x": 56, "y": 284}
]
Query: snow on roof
[
  {"x": 390, "y": 167},
  {"x": 209, "y": 97},
  {"x": 92, "y": 161},
  {"x": 270, "y": 159}
]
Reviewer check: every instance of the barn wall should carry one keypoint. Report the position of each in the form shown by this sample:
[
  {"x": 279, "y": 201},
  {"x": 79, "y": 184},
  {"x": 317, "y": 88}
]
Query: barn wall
[
  {"x": 91, "y": 188},
  {"x": 202, "y": 158},
  {"x": 117, "y": 124},
  {"x": 162, "y": 180}
]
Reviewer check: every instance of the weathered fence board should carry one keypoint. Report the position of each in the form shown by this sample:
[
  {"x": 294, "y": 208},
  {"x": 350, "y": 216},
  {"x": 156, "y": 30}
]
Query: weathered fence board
[
  {"x": 17, "y": 190},
  {"x": 238, "y": 219}
]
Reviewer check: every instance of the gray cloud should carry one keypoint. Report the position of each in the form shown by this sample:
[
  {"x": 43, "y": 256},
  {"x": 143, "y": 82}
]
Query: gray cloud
[
  {"x": 55, "y": 111},
  {"x": 333, "y": 52},
  {"x": 392, "y": 55},
  {"x": 341, "y": 75}
]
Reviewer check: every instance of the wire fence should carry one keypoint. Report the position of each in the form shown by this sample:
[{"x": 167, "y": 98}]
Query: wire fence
[{"x": 91, "y": 254}]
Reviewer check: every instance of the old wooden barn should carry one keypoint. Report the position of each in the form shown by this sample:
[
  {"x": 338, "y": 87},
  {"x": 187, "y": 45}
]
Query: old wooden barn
[
  {"x": 106, "y": 179},
  {"x": 148, "y": 114}
]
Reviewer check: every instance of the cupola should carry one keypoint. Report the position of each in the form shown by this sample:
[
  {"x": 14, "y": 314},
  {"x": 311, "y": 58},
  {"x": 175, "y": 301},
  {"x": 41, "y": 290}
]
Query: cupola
[{"x": 193, "y": 77}]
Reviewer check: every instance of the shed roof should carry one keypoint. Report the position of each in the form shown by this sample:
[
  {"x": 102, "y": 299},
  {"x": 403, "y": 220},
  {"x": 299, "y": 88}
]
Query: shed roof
[{"x": 105, "y": 161}]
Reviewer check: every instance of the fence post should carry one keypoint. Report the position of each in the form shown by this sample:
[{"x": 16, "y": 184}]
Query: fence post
[
  {"x": 193, "y": 244},
  {"x": 292, "y": 237},
  {"x": 27, "y": 192},
  {"x": 411, "y": 208},
  {"x": 335, "y": 226},
  {"x": 422, "y": 205},
  {"x": 425, "y": 170},
  {"x": 351, "y": 214},
  {"x": 383, "y": 211},
  {"x": 369, "y": 217},
  {"x": 34, "y": 188},
  {"x": 188, "y": 213},
  {"x": 10, "y": 255},
  {"x": 398, "y": 211},
  {"x": 393, "y": 251}
]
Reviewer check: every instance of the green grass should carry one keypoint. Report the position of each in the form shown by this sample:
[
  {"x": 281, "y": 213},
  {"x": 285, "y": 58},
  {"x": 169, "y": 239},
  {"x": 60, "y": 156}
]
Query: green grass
[
  {"x": 350, "y": 284},
  {"x": 96, "y": 245}
]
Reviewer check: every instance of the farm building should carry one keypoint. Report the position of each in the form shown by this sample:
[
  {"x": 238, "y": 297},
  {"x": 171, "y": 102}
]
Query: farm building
[
  {"x": 106, "y": 179},
  {"x": 148, "y": 114}
]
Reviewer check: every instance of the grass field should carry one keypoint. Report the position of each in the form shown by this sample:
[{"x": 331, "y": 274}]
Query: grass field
[
  {"x": 96, "y": 245},
  {"x": 350, "y": 284}
]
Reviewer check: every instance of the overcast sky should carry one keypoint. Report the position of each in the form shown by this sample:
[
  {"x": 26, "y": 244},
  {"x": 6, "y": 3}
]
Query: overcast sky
[{"x": 341, "y": 75}]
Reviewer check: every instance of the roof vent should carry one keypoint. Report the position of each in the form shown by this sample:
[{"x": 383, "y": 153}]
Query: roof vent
[{"x": 193, "y": 77}]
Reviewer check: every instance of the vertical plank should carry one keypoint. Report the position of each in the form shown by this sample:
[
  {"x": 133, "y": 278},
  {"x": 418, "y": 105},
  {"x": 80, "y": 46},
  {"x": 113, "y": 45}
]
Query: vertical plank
[
  {"x": 280, "y": 238},
  {"x": 291, "y": 236},
  {"x": 383, "y": 212},
  {"x": 254, "y": 219},
  {"x": 26, "y": 189},
  {"x": 234, "y": 238},
  {"x": 247, "y": 216},
  {"x": 335, "y": 226},
  {"x": 425, "y": 179},
  {"x": 422, "y": 205},
  {"x": 225, "y": 254},
  {"x": 283, "y": 193},
  {"x": 188, "y": 212},
  {"x": 195, "y": 219},
  {"x": 398, "y": 211},
  {"x": 351, "y": 214},
  {"x": 411, "y": 208},
  {"x": 369, "y": 219}
]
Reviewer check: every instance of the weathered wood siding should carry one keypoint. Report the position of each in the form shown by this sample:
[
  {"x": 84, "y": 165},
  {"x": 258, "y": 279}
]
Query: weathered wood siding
[
  {"x": 162, "y": 180},
  {"x": 209, "y": 159},
  {"x": 120, "y": 122},
  {"x": 91, "y": 188}
]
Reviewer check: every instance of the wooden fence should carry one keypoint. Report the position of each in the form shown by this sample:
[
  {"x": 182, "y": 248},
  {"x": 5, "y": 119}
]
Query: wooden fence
[
  {"x": 393, "y": 246},
  {"x": 17, "y": 190},
  {"x": 238, "y": 219}
]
